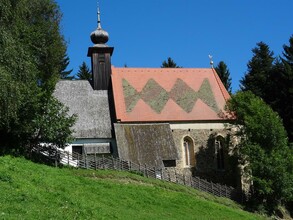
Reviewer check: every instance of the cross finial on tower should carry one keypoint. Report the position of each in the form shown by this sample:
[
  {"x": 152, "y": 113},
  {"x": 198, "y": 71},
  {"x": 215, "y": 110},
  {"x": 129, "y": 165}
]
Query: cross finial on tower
[
  {"x": 99, "y": 36},
  {"x": 211, "y": 61},
  {"x": 99, "y": 16}
]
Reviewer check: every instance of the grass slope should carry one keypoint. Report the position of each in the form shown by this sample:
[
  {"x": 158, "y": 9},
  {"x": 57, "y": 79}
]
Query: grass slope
[{"x": 33, "y": 191}]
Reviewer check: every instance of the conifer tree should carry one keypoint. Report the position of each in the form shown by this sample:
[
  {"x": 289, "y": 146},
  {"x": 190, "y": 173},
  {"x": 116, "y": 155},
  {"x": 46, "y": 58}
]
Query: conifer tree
[
  {"x": 259, "y": 67},
  {"x": 65, "y": 74},
  {"x": 288, "y": 52},
  {"x": 84, "y": 72},
  {"x": 272, "y": 79},
  {"x": 224, "y": 75},
  {"x": 169, "y": 63},
  {"x": 284, "y": 84}
]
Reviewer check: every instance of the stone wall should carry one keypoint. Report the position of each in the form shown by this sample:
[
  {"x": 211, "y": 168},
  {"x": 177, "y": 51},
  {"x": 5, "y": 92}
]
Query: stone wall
[
  {"x": 152, "y": 144},
  {"x": 205, "y": 155}
]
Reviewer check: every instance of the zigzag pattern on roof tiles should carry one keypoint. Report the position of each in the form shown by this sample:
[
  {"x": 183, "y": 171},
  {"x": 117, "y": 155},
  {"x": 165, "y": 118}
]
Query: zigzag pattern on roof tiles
[{"x": 156, "y": 96}]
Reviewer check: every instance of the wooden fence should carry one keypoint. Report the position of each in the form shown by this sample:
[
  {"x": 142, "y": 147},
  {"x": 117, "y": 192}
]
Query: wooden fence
[{"x": 95, "y": 162}]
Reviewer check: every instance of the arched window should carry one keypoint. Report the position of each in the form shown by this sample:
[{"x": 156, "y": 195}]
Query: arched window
[
  {"x": 220, "y": 155},
  {"x": 188, "y": 151}
]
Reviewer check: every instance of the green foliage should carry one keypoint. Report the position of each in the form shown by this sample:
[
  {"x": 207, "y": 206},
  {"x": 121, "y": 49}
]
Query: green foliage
[
  {"x": 32, "y": 52},
  {"x": 284, "y": 82},
  {"x": 53, "y": 126},
  {"x": 281, "y": 94},
  {"x": 169, "y": 63},
  {"x": 259, "y": 67},
  {"x": 67, "y": 193},
  {"x": 288, "y": 52},
  {"x": 65, "y": 74},
  {"x": 84, "y": 72},
  {"x": 224, "y": 75},
  {"x": 264, "y": 146},
  {"x": 272, "y": 79}
]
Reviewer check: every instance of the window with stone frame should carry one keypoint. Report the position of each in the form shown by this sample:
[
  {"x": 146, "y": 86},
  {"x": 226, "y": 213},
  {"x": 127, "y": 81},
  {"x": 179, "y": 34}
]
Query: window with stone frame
[
  {"x": 188, "y": 148},
  {"x": 220, "y": 152}
]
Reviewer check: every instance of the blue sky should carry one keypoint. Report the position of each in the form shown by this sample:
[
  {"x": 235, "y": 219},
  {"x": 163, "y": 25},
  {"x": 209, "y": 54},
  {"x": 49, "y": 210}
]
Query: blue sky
[{"x": 145, "y": 32}]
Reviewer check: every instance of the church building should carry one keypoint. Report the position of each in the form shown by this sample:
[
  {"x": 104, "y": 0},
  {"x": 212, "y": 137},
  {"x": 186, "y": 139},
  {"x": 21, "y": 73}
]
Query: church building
[{"x": 168, "y": 118}]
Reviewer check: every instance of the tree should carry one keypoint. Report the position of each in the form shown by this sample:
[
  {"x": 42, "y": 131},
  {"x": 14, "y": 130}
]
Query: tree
[
  {"x": 284, "y": 82},
  {"x": 32, "y": 52},
  {"x": 169, "y": 64},
  {"x": 265, "y": 149},
  {"x": 53, "y": 127},
  {"x": 65, "y": 74},
  {"x": 271, "y": 79},
  {"x": 288, "y": 52},
  {"x": 84, "y": 72},
  {"x": 224, "y": 75},
  {"x": 256, "y": 79}
]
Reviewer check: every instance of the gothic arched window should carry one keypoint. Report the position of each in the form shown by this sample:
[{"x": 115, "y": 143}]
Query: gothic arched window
[
  {"x": 188, "y": 151},
  {"x": 220, "y": 155}
]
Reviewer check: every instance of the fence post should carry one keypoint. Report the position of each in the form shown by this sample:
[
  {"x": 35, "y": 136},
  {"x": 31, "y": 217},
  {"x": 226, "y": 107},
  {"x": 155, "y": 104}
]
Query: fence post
[
  {"x": 198, "y": 183},
  {"x": 226, "y": 193},
  {"x": 184, "y": 180},
  {"x": 130, "y": 165},
  {"x": 56, "y": 155},
  {"x": 145, "y": 170},
  {"x": 67, "y": 158},
  {"x": 95, "y": 161},
  {"x": 103, "y": 162},
  {"x": 85, "y": 160},
  {"x": 113, "y": 162}
]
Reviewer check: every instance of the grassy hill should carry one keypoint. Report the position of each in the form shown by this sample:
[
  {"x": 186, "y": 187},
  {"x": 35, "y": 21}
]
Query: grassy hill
[{"x": 34, "y": 191}]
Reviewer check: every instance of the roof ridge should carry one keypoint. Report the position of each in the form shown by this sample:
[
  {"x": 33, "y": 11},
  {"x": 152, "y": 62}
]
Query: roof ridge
[{"x": 160, "y": 68}]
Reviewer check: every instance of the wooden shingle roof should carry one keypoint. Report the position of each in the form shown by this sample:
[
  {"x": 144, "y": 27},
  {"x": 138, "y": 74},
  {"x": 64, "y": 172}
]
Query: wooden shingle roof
[{"x": 90, "y": 106}]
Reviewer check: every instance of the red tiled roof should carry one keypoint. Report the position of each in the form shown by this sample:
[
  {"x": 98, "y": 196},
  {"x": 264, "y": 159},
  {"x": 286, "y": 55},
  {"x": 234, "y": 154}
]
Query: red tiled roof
[{"x": 168, "y": 94}]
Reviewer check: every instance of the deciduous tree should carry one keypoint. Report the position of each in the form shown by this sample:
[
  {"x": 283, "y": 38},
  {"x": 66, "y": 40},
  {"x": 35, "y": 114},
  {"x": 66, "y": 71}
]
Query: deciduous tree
[
  {"x": 264, "y": 146},
  {"x": 32, "y": 52}
]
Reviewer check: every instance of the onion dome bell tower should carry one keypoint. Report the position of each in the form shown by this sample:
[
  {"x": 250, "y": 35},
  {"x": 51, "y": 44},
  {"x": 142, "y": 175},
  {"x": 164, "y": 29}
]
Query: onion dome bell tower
[{"x": 100, "y": 54}]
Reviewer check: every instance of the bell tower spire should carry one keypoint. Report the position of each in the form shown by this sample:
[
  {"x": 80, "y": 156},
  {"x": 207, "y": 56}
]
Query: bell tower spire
[
  {"x": 99, "y": 17},
  {"x": 100, "y": 54},
  {"x": 99, "y": 36}
]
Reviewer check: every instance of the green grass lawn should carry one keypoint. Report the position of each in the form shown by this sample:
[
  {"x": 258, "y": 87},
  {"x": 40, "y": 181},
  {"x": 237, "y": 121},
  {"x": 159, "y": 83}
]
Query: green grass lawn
[{"x": 33, "y": 191}]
